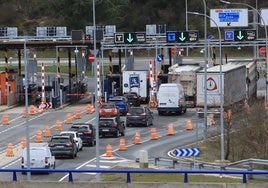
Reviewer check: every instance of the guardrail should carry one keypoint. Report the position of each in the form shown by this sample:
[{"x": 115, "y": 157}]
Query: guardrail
[{"x": 129, "y": 172}]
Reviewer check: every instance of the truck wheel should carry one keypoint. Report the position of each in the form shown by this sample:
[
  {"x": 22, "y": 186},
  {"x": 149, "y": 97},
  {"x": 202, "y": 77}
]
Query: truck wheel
[{"x": 160, "y": 113}]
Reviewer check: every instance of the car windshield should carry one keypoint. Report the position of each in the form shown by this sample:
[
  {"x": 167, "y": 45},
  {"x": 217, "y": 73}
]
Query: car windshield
[{"x": 136, "y": 110}]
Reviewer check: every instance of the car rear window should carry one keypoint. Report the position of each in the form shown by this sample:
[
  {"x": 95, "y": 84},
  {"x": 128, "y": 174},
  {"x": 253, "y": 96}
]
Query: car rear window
[
  {"x": 60, "y": 139},
  {"x": 106, "y": 121},
  {"x": 107, "y": 106},
  {"x": 136, "y": 110}
]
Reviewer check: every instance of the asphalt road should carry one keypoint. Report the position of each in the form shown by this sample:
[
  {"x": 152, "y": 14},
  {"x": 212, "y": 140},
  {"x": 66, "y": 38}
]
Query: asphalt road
[{"x": 14, "y": 132}]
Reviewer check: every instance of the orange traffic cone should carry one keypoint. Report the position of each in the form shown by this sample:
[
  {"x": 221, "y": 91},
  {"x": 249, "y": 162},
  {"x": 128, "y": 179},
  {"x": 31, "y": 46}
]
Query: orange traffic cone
[
  {"x": 58, "y": 126},
  {"x": 109, "y": 152},
  {"x": 23, "y": 113},
  {"x": 38, "y": 136},
  {"x": 122, "y": 145},
  {"x": 188, "y": 124},
  {"x": 47, "y": 132},
  {"x": 77, "y": 113},
  {"x": 10, "y": 152},
  {"x": 137, "y": 139},
  {"x": 69, "y": 119},
  {"x": 5, "y": 119},
  {"x": 23, "y": 142},
  {"x": 170, "y": 130},
  {"x": 154, "y": 135},
  {"x": 32, "y": 110}
]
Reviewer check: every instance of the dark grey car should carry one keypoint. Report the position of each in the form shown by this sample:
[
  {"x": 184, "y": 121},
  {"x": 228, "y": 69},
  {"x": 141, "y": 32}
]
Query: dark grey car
[
  {"x": 111, "y": 126},
  {"x": 63, "y": 145},
  {"x": 139, "y": 116}
]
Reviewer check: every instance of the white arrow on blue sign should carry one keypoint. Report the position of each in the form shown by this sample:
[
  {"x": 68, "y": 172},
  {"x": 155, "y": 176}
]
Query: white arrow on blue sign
[
  {"x": 159, "y": 58},
  {"x": 187, "y": 152}
]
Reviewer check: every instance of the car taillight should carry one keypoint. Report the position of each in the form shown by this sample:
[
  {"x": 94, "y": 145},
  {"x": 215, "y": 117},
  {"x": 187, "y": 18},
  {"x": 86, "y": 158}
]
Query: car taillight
[
  {"x": 143, "y": 114},
  {"x": 46, "y": 159},
  {"x": 135, "y": 97},
  {"x": 128, "y": 114},
  {"x": 22, "y": 160},
  {"x": 114, "y": 125},
  {"x": 86, "y": 133}
]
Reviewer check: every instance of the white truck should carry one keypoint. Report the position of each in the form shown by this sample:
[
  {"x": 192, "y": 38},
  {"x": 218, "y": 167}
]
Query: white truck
[
  {"x": 136, "y": 81},
  {"x": 233, "y": 89},
  {"x": 171, "y": 99},
  {"x": 40, "y": 157},
  {"x": 186, "y": 76}
]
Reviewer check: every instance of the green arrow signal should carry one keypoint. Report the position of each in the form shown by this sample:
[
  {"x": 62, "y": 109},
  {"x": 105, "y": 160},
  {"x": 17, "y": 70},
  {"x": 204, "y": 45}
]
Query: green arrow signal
[
  {"x": 130, "y": 38},
  {"x": 240, "y": 36},
  {"x": 182, "y": 38}
]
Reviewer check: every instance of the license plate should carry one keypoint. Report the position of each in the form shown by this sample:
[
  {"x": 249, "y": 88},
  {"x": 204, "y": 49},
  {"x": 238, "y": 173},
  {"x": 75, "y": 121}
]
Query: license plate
[
  {"x": 59, "y": 146},
  {"x": 105, "y": 130}
]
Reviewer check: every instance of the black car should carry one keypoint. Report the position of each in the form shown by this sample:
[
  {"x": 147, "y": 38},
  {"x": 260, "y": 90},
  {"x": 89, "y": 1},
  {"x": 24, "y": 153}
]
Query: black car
[
  {"x": 133, "y": 98},
  {"x": 63, "y": 145},
  {"x": 111, "y": 126},
  {"x": 86, "y": 131},
  {"x": 139, "y": 116}
]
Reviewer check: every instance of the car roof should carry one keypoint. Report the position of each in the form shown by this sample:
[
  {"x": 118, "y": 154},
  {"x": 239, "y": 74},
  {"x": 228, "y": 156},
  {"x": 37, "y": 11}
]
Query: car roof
[
  {"x": 61, "y": 136},
  {"x": 68, "y": 132}
]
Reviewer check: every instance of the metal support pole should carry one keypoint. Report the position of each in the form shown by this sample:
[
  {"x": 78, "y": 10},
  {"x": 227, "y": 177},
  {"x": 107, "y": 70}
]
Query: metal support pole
[
  {"x": 221, "y": 82},
  {"x": 96, "y": 97}
]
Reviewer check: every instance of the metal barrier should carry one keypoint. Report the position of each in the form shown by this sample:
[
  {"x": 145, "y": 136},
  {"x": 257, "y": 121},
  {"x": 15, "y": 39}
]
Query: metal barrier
[{"x": 128, "y": 172}]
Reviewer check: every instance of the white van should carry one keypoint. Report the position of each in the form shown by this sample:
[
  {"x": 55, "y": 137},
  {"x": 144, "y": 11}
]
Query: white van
[
  {"x": 40, "y": 156},
  {"x": 171, "y": 99}
]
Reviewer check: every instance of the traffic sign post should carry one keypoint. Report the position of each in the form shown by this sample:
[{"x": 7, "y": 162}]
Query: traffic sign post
[
  {"x": 239, "y": 35},
  {"x": 263, "y": 51},
  {"x": 129, "y": 38},
  {"x": 187, "y": 152},
  {"x": 119, "y": 38},
  {"x": 229, "y": 35},
  {"x": 90, "y": 58},
  {"x": 140, "y": 37},
  {"x": 193, "y": 36},
  {"x": 183, "y": 36},
  {"x": 171, "y": 36}
]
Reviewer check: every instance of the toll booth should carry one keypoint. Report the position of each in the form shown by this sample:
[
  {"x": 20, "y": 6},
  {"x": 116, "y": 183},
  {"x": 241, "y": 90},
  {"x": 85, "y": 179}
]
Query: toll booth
[
  {"x": 9, "y": 88},
  {"x": 112, "y": 85}
]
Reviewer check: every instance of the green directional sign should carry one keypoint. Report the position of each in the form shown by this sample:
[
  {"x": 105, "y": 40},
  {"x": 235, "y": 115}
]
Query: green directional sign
[
  {"x": 129, "y": 38},
  {"x": 239, "y": 35},
  {"x": 182, "y": 36}
]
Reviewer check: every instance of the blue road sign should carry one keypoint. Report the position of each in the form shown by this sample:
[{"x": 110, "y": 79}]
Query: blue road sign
[
  {"x": 187, "y": 152},
  {"x": 159, "y": 58},
  {"x": 229, "y": 35},
  {"x": 229, "y": 16},
  {"x": 171, "y": 36}
]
